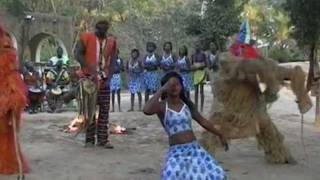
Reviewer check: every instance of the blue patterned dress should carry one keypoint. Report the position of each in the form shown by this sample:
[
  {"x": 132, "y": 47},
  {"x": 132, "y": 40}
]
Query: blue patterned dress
[
  {"x": 167, "y": 64},
  {"x": 115, "y": 83},
  {"x": 184, "y": 71},
  {"x": 151, "y": 76},
  {"x": 213, "y": 62},
  {"x": 187, "y": 161},
  {"x": 135, "y": 77}
]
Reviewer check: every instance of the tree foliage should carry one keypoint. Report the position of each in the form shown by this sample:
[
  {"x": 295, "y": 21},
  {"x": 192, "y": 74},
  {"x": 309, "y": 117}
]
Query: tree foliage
[
  {"x": 305, "y": 17},
  {"x": 180, "y": 21},
  {"x": 220, "y": 21},
  {"x": 269, "y": 23}
]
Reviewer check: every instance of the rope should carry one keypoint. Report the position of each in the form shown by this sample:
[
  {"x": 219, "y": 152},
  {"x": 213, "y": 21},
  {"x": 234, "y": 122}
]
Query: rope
[
  {"x": 16, "y": 139},
  {"x": 302, "y": 139}
]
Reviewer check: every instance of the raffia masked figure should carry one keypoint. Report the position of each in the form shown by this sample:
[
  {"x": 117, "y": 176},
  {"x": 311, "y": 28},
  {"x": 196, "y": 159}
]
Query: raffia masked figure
[
  {"x": 13, "y": 100},
  {"x": 240, "y": 104}
]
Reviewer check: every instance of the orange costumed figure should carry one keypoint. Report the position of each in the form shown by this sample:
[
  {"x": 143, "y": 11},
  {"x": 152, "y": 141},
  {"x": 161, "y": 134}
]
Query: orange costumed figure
[{"x": 12, "y": 102}]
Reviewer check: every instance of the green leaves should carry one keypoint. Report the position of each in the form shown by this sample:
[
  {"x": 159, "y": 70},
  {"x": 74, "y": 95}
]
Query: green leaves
[
  {"x": 14, "y": 7},
  {"x": 220, "y": 21},
  {"x": 305, "y": 17}
]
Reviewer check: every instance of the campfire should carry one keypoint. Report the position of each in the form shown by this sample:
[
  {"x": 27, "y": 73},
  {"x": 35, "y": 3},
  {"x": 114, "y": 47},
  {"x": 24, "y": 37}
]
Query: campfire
[
  {"x": 76, "y": 125},
  {"x": 117, "y": 129}
]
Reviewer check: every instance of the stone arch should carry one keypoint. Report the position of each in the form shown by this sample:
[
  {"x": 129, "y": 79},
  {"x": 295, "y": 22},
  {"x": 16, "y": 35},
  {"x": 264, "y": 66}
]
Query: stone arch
[
  {"x": 36, "y": 42},
  {"x": 13, "y": 39},
  {"x": 27, "y": 35}
]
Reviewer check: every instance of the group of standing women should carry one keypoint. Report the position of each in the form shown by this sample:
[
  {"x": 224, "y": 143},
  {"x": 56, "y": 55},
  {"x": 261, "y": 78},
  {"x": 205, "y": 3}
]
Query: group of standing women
[{"x": 145, "y": 74}]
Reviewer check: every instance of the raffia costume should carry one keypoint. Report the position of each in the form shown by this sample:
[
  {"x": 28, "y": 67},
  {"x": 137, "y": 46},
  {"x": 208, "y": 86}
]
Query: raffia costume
[
  {"x": 240, "y": 105},
  {"x": 12, "y": 102}
]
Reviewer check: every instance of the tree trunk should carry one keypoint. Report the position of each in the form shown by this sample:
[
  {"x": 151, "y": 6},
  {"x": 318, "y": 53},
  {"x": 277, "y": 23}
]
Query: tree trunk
[
  {"x": 313, "y": 80},
  {"x": 317, "y": 121}
]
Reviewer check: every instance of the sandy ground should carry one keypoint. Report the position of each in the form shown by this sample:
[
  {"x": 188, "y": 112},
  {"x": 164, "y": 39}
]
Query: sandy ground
[{"x": 54, "y": 155}]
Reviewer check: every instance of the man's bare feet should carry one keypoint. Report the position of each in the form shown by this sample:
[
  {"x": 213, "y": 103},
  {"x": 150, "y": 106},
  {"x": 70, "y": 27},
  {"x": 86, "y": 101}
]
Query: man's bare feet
[
  {"x": 89, "y": 145},
  {"x": 108, "y": 146}
]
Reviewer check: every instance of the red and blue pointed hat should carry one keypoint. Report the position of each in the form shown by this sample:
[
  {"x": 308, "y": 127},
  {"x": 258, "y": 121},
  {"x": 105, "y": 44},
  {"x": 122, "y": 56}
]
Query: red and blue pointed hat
[
  {"x": 241, "y": 47},
  {"x": 244, "y": 33}
]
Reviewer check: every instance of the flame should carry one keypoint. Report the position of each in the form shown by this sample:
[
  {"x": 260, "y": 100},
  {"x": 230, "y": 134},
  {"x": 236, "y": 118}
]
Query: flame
[
  {"x": 118, "y": 129},
  {"x": 75, "y": 125}
]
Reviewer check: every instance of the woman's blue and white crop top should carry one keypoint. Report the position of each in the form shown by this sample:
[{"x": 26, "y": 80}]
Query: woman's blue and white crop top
[{"x": 176, "y": 122}]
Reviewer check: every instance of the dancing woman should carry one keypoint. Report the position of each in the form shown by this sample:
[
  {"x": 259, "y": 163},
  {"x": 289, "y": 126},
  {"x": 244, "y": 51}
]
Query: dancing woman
[
  {"x": 115, "y": 83},
  {"x": 151, "y": 75},
  {"x": 186, "y": 159},
  {"x": 184, "y": 67},
  {"x": 199, "y": 63},
  {"x": 167, "y": 63},
  {"x": 135, "y": 71}
]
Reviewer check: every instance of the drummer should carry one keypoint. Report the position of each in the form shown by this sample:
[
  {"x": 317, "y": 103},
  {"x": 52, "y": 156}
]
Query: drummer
[
  {"x": 57, "y": 80},
  {"x": 59, "y": 57},
  {"x": 33, "y": 81},
  {"x": 58, "y": 76}
]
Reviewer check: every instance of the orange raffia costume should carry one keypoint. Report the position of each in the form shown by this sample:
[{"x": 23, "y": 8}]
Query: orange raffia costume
[{"x": 12, "y": 102}]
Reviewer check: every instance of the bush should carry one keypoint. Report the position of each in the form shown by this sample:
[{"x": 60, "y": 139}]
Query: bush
[
  {"x": 283, "y": 55},
  {"x": 279, "y": 54}
]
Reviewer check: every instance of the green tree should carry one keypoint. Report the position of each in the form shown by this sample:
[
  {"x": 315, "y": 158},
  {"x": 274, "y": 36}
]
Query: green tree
[
  {"x": 268, "y": 22},
  {"x": 15, "y": 7},
  {"x": 220, "y": 20},
  {"x": 305, "y": 18}
]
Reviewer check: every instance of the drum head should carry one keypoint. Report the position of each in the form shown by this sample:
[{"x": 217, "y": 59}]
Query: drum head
[
  {"x": 65, "y": 90},
  {"x": 56, "y": 91},
  {"x": 35, "y": 90}
]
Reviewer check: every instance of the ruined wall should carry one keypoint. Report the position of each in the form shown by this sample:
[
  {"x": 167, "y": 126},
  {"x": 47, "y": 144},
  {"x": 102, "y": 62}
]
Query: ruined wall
[{"x": 32, "y": 32}]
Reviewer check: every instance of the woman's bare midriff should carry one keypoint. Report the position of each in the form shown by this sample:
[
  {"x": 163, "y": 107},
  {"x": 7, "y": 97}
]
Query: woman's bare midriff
[{"x": 182, "y": 138}]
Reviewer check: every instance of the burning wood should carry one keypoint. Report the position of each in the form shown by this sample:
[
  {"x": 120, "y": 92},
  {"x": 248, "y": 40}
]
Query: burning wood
[
  {"x": 117, "y": 129},
  {"x": 76, "y": 125}
]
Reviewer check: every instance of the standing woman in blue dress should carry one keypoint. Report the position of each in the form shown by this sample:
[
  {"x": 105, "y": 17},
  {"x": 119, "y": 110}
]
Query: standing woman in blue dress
[
  {"x": 151, "y": 64},
  {"x": 167, "y": 63},
  {"x": 183, "y": 65},
  {"x": 135, "y": 76},
  {"x": 115, "y": 83},
  {"x": 186, "y": 159}
]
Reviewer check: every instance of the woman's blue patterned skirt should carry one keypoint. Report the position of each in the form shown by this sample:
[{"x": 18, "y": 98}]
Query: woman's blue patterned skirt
[
  {"x": 187, "y": 81},
  {"x": 135, "y": 83},
  {"x": 191, "y": 162},
  {"x": 115, "y": 83},
  {"x": 151, "y": 80}
]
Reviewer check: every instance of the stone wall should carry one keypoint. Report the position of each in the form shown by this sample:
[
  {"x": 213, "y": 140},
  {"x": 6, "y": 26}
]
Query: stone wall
[{"x": 30, "y": 33}]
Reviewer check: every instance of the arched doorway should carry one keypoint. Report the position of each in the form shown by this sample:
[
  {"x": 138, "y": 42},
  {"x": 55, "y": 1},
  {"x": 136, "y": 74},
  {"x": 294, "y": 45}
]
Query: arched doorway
[
  {"x": 13, "y": 39},
  {"x": 45, "y": 42}
]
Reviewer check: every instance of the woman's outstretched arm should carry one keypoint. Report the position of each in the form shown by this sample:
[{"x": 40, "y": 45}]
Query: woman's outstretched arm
[{"x": 208, "y": 125}]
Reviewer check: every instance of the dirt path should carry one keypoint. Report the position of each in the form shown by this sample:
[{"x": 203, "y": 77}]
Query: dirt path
[{"x": 54, "y": 155}]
